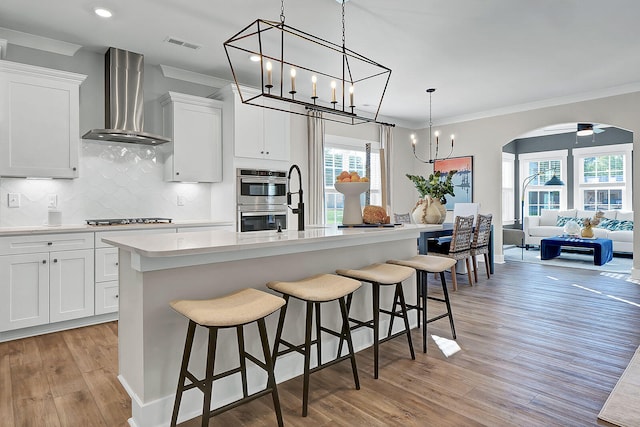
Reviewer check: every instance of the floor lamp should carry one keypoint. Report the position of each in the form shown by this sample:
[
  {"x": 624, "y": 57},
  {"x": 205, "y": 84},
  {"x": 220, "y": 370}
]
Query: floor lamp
[{"x": 525, "y": 183}]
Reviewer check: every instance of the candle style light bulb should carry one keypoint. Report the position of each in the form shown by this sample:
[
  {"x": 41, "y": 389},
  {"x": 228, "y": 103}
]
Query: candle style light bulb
[
  {"x": 269, "y": 75},
  {"x": 437, "y": 134},
  {"x": 333, "y": 91},
  {"x": 293, "y": 80},
  {"x": 452, "y": 138},
  {"x": 351, "y": 104},
  {"x": 314, "y": 81}
]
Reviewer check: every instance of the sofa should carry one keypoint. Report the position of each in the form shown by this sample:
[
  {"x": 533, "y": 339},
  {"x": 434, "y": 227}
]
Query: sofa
[{"x": 615, "y": 225}]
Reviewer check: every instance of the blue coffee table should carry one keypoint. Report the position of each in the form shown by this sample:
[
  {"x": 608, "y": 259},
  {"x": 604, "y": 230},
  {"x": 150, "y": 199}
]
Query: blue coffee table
[{"x": 602, "y": 248}]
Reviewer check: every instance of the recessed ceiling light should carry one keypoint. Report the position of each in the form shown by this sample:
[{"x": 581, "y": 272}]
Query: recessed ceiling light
[
  {"x": 255, "y": 58},
  {"x": 102, "y": 12}
]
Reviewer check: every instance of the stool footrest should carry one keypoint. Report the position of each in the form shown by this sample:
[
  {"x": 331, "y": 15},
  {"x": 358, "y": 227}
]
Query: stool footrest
[
  {"x": 332, "y": 362},
  {"x": 244, "y": 400}
]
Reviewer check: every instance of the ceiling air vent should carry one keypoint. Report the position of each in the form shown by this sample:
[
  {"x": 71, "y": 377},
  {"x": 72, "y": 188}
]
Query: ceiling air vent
[{"x": 178, "y": 42}]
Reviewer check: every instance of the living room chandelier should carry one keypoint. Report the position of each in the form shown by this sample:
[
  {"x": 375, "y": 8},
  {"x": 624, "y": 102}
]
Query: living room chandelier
[
  {"x": 291, "y": 66},
  {"x": 414, "y": 140}
]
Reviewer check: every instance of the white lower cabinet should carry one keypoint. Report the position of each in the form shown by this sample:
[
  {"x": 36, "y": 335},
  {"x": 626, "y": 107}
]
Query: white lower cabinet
[
  {"x": 24, "y": 290},
  {"x": 45, "y": 279},
  {"x": 107, "y": 294},
  {"x": 45, "y": 287}
]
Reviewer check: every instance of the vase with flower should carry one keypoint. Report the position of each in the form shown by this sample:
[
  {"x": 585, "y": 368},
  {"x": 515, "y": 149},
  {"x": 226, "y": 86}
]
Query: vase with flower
[
  {"x": 430, "y": 208},
  {"x": 589, "y": 223}
]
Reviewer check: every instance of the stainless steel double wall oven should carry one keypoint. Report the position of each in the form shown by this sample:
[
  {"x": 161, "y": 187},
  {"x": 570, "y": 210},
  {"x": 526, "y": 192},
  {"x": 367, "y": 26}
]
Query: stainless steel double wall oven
[{"x": 261, "y": 199}]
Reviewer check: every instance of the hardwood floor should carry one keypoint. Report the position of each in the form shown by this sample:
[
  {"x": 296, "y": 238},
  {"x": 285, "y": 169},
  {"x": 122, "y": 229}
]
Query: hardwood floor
[{"x": 540, "y": 346}]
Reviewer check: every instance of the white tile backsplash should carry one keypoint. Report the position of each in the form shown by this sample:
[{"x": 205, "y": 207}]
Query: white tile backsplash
[{"x": 115, "y": 181}]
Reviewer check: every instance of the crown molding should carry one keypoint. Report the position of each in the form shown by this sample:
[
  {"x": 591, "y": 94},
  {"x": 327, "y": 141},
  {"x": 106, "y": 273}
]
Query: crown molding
[
  {"x": 551, "y": 102},
  {"x": 193, "y": 77},
  {"x": 37, "y": 42}
]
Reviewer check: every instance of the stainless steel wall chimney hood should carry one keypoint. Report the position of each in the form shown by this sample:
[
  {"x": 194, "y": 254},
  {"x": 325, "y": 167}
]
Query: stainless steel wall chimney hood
[{"x": 124, "y": 103}]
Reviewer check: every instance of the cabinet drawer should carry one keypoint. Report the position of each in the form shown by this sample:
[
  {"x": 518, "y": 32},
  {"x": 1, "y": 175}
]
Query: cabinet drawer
[
  {"x": 106, "y": 264},
  {"x": 45, "y": 242},
  {"x": 107, "y": 297},
  {"x": 110, "y": 234}
]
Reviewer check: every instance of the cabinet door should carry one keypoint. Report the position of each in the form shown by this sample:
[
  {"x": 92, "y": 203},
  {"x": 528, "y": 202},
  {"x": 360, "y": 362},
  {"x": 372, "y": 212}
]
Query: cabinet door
[
  {"x": 276, "y": 135},
  {"x": 248, "y": 128},
  {"x": 107, "y": 297},
  {"x": 106, "y": 264},
  {"x": 39, "y": 122},
  {"x": 197, "y": 144},
  {"x": 24, "y": 290},
  {"x": 71, "y": 285}
]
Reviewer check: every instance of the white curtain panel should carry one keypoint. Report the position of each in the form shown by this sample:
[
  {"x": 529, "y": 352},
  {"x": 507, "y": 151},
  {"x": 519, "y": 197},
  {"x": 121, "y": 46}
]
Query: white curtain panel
[
  {"x": 315, "y": 136},
  {"x": 386, "y": 143}
]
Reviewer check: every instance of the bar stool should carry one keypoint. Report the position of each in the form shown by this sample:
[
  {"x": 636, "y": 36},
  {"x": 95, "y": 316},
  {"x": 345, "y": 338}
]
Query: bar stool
[
  {"x": 313, "y": 291},
  {"x": 230, "y": 311},
  {"x": 379, "y": 275},
  {"x": 425, "y": 264}
]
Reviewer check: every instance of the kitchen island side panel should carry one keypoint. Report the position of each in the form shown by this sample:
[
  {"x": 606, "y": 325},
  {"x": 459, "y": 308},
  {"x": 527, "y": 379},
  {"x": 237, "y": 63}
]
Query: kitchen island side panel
[{"x": 159, "y": 333}]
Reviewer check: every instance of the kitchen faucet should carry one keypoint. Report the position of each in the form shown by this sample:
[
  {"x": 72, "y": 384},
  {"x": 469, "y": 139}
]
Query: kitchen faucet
[{"x": 300, "y": 209}]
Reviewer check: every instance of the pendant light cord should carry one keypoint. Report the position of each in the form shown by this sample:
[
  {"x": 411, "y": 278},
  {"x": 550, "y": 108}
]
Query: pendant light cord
[
  {"x": 282, "y": 11},
  {"x": 343, "y": 32}
]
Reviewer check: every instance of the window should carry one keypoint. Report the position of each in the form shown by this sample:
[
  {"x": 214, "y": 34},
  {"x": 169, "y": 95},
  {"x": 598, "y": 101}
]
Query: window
[
  {"x": 348, "y": 154},
  {"x": 603, "y": 177},
  {"x": 508, "y": 191},
  {"x": 535, "y": 170}
]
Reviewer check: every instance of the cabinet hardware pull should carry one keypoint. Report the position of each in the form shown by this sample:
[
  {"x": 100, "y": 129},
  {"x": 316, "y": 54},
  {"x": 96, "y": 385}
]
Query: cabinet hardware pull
[
  {"x": 55, "y": 260},
  {"x": 49, "y": 243},
  {"x": 74, "y": 168},
  {"x": 267, "y": 152},
  {"x": 177, "y": 173},
  {"x": 117, "y": 296},
  {"x": 116, "y": 263},
  {"x": 44, "y": 261}
]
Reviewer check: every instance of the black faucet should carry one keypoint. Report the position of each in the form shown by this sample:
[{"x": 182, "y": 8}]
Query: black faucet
[{"x": 300, "y": 209}]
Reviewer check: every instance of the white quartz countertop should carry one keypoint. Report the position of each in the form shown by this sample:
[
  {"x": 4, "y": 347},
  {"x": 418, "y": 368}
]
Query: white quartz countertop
[
  {"x": 211, "y": 242},
  {"x": 79, "y": 228}
]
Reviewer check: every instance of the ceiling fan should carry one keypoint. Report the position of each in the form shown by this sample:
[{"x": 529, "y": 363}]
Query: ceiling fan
[{"x": 586, "y": 129}]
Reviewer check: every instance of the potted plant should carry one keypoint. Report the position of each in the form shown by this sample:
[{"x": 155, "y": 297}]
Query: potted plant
[{"x": 433, "y": 191}]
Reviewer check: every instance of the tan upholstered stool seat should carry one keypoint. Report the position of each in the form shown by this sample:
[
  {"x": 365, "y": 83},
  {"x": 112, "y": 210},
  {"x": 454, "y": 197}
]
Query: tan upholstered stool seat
[
  {"x": 385, "y": 274},
  {"x": 245, "y": 306},
  {"x": 429, "y": 263},
  {"x": 319, "y": 288}
]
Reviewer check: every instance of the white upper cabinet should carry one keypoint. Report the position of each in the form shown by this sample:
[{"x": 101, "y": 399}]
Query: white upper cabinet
[
  {"x": 39, "y": 121},
  {"x": 258, "y": 133},
  {"x": 195, "y": 126}
]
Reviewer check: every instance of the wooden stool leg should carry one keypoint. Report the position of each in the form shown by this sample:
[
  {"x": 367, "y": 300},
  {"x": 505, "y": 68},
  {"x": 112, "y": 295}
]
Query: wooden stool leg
[
  {"x": 422, "y": 276},
  {"x": 468, "y": 264},
  {"x": 475, "y": 268},
  {"x": 276, "y": 343},
  {"x": 208, "y": 379},
  {"x": 318, "y": 332},
  {"x": 269, "y": 362},
  {"x": 376, "y": 327},
  {"x": 405, "y": 317},
  {"x": 448, "y": 303},
  {"x": 486, "y": 265},
  {"x": 454, "y": 278},
  {"x": 347, "y": 333},
  {"x": 243, "y": 360},
  {"x": 188, "y": 344},
  {"x": 307, "y": 357}
]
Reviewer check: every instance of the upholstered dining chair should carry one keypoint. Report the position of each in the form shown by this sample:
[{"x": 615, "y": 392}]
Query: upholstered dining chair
[
  {"x": 457, "y": 247},
  {"x": 480, "y": 243}
]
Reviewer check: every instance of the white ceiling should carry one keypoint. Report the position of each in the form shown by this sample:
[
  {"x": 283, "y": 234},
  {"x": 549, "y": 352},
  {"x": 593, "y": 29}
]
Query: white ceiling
[{"x": 483, "y": 56}]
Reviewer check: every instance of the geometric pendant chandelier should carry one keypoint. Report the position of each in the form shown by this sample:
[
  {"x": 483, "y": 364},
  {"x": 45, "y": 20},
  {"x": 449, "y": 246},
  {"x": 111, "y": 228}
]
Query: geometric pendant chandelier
[{"x": 291, "y": 66}]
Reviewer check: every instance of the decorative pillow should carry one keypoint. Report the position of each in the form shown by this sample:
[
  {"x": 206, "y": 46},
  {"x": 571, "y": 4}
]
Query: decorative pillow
[
  {"x": 624, "y": 226},
  {"x": 579, "y": 221},
  {"x": 404, "y": 218},
  {"x": 608, "y": 223},
  {"x": 562, "y": 220}
]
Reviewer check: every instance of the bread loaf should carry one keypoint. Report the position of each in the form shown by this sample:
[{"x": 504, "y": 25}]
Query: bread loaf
[{"x": 374, "y": 215}]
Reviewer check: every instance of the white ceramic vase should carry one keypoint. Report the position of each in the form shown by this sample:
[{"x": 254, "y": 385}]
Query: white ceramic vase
[{"x": 429, "y": 211}]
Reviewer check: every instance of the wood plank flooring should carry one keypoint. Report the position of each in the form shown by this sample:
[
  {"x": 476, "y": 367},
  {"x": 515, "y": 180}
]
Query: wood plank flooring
[{"x": 540, "y": 346}]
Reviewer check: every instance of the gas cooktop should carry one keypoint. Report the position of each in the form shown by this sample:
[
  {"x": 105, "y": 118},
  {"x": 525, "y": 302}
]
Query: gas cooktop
[{"x": 125, "y": 221}]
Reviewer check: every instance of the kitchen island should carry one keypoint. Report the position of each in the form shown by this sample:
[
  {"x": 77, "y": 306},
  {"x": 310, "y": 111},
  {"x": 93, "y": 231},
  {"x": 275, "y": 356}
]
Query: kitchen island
[{"x": 156, "y": 269}]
